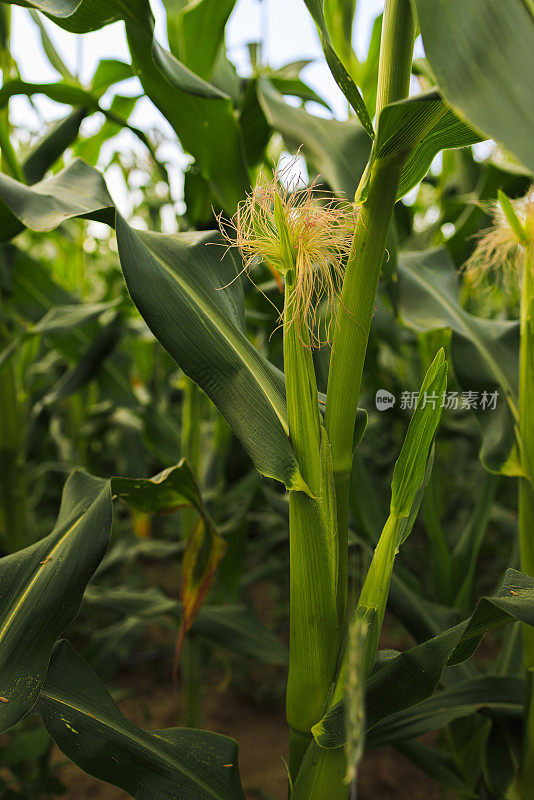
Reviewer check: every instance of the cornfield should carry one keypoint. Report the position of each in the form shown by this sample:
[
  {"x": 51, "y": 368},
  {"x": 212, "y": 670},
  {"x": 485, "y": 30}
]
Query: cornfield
[{"x": 266, "y": 394}]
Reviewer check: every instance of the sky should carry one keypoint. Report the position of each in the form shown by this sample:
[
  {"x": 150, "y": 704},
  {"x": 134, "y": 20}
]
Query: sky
[{"x": 284, "y": 27}]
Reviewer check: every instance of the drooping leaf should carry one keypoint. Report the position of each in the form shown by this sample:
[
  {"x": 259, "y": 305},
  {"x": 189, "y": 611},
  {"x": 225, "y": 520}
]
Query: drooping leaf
[
  {"x": 83, "y": 16},
  {"x": 77, "y": 190},
  {"x": 413, "y": 131},
  {"x": 412, "y": 676},
  {"x": 462, "y": 699},
  {"x": 42, "y": 587},
  {"x": 174, "y": 488},
  {"x": 191, "y": 299},
  {"x": 481, "y": 55},
  {"x": 177, "y": 763}
]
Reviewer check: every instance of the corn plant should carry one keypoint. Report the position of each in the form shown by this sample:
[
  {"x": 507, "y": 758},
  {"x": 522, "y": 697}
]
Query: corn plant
[{"x": 325, "y": 251}]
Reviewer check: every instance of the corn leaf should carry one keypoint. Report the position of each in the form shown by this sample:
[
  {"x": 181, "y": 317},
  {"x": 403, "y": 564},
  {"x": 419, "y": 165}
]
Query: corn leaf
[
  {"x": 175, "y": 488},
  {"x": 177, "y": 763},
  {"x": 194, "y": 42},
  {"x": 178, "y": 284},
  {"x": 234, "y": 627},
  {"x": 412, "y": 676},
  {"x": 42, "y": 587},
  {"x": 77, "y": 190},
  {"x": 341, "y": 76},
  {"x": 463, "y": 699},
  {"x": 480, "y": 54},
  {"x": 413, "y": 131}
]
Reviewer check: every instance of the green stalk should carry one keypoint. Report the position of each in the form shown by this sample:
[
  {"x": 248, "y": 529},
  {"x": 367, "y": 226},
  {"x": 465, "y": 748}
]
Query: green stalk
[
  {"x": 362, "y": 274},
  {"x": 313, "y": 628},
  {"x": 526, "y": 497}
]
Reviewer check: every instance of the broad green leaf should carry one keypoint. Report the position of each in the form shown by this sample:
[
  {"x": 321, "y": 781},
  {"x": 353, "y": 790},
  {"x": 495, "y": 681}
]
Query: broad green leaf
[
  {"x": 42, "y": 587},
  {"x": 482, "y": 54},
  {"x": 82, "y": 16},
  {"x": 174, "y": 488},
  {"x": 412, "y": 676},
  {"x": 413, "y": 131},
  {"x": 337, "y": 150},
  {"x": 177, "y": 763},
  {"x": 193, "y": 41},
  {"x": 78, "y": 190},
  {"x": 62, "y": 92},
  {"x": 410, "y": 467},
  {"x": 108, "y": 72},
  {"x": 192, "y": 300},
  {"x": 484, "y": 352},
  {"x": 449, "y": 132},
  {"x": 341, "y": 76}
]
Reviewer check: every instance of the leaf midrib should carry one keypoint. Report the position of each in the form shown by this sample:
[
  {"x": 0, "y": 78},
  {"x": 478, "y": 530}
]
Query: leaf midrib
[
  {"x": 224, "y": 330},
  {"x": 14, "y": 608},
  {"x": 142, "y": 738}
]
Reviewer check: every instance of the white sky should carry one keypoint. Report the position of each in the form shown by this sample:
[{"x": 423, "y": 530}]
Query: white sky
[{"x": 285, "y": 28}]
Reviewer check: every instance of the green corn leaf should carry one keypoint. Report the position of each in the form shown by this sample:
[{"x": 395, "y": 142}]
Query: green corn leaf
[
  {"x": 412, "y": 676},
  {"x": 413, "y": 131},
  {"x": 77, "y": 190},
  {"x": 463, "y": 699},
  {"x": 341, "y": 76},
  {"x": 42, "y": 587},
  {"x": 192, "y": 41},
  {"x": 177, "y": 763},
  {"x": 62, "y": 92},
  {"x": 83, "y": 16},
  {"x": 484, "y": 352},
  {"x": 410, "y": 467},
  {"x": 51, "y": 53},
  {"x": 192, "y": 301},
  {"x": 108, "y": 72},
  {"x": 480, "y": 54},
  {"x": 174, "y": 488}
]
